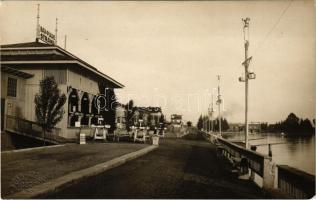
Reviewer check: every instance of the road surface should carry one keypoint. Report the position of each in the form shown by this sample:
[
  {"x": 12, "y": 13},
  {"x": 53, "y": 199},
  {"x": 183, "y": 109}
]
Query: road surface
[{"x": 177, "y": 169}]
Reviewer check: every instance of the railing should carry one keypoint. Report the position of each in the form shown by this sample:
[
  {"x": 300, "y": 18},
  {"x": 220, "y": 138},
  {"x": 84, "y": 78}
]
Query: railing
[
  {"x": 255, "y": 160},
  {"x": 295, "y": 183},
  {"x": 290, "y": 181},
  {"x": 32, "y": 129},
  {"x": 258, "y": 163}
]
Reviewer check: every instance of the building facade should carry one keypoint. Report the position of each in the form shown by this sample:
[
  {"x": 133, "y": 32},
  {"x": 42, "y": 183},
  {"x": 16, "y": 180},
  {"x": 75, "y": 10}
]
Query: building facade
[
  {"x": 120, "y": 116},
  {"x": 176, "y": 120},
  {"x": 253, "y": 127},
  {"x": 24, "y": 65},
  {"x": 148, "y": 116}
]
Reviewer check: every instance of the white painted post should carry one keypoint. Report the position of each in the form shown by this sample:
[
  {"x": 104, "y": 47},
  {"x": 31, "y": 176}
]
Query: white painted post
[{"x": 268, "y": 174}]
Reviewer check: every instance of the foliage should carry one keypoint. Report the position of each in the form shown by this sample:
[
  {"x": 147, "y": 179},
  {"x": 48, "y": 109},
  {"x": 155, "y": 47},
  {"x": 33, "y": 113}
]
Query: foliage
[
  {"x": 293, "y": 126},
  {"x": 205, "y": 123},
  {"x": 224, "y": 124},
  {"x": 162, "y": 119},
  {"x": 130, "y": 110},
  {"x": 200, "y": 123},
  {"x": 49, "y": 104},
  {"x": 189, "y": 123},
  {"x": 109, "y": 113}
]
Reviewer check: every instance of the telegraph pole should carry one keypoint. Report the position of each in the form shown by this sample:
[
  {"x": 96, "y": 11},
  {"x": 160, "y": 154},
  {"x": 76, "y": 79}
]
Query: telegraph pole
[
  {"x": 37, "y": 23},
  {"x": 219, "y": 101},
  {"x": 56, "y": 29},
  {"x": 248, "y": 75},
  {"x": 65, "y": 42},
  {"x": 210, "y": 114}
]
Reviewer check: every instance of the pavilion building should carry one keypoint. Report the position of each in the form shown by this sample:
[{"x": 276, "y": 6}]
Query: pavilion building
[{"x": 24, "y": 65}]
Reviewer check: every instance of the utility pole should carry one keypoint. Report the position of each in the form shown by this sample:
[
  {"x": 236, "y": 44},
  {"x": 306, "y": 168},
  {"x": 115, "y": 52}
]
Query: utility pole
[
  {"x": 248, "y": 75},
  {"x": 210, "y": 114},
  {"x": 37, "y": 23},
  {"x": 56, "y": 29},
  {"x": 65, "y": 42},
  {"x": 219, "y": 101}
]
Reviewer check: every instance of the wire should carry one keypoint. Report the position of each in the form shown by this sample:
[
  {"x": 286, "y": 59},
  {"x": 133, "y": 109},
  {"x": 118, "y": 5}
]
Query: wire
[{"x": 274, "y": 26}]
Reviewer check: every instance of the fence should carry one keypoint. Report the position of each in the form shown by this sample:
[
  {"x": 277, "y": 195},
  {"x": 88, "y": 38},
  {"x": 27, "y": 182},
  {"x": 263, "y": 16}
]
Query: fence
[
  {"x": 290, "y": 181},
  {"x": 295, "y": 183},
  {"x": 32, "y": 129},
  {"x": 258, "y": 163}
]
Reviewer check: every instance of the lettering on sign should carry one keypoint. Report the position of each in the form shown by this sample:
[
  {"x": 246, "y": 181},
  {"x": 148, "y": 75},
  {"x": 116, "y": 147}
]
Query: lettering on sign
[{"x": 46, "y": 36}]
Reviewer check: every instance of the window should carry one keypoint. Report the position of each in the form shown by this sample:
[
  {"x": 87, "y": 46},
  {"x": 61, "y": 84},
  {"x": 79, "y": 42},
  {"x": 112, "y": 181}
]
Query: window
[{"x": 12, "y": 84}]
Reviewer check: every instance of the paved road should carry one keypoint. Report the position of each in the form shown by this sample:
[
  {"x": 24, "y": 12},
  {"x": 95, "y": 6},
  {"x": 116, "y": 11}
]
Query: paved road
[{"x": 177, "y": 169}]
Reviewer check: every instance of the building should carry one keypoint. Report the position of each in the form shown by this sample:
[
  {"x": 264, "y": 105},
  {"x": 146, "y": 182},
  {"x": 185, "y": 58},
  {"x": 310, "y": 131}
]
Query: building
[
  {"x": 150, "y": 116},
  {"x": 253, "y": 127},
  {"x": 120, "y": 116},
  {"x": 176, "y": 120},
  {"x": 24, "y": 65},
  {"x": 236, "y": 127}
]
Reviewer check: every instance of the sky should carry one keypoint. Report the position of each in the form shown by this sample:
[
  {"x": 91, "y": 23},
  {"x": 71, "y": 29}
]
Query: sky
[{"x": 169, "y": 54}]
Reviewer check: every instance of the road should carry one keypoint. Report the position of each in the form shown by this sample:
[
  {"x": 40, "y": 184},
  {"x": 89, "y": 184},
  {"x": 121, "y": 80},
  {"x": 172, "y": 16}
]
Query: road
[{"x": 177, "y": 169}]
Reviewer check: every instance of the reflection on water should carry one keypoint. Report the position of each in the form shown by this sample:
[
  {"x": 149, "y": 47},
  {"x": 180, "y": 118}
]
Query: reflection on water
[{"x": 298, "y": 152}]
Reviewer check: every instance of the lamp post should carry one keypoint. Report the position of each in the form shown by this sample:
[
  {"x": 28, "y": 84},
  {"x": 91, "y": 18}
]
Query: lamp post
[
  {"x": 210, "y": 113},
  {"x": 219, "y": 101},
  {"x": 248, "y": 75}
]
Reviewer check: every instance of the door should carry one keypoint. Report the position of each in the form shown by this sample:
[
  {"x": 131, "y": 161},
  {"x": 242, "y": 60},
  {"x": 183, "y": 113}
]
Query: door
[{"x": 2, "y": 113}]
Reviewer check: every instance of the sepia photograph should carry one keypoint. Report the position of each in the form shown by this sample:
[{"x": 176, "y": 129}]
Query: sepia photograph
[{"x": 158, "y": 99}]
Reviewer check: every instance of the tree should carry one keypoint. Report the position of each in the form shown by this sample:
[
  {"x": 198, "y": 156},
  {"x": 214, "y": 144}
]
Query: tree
[
  {"x": 49, "y": 104},
  {"x": 130, "y": 110},
  {"x": 264, "y": 127},
  {"x": 306, "y": 126},
  {"x": 291, "y": 124},
  {"x": 189, "y": 123},
  {"x": 200, "y": 123},
  {"x": 224, "y": 124},
  {"x": 162, "y": 119},
  {"x": 109, "y": 113}
]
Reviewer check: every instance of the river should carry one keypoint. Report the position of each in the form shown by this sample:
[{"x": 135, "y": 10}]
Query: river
[{"x": 295, "y": 151}]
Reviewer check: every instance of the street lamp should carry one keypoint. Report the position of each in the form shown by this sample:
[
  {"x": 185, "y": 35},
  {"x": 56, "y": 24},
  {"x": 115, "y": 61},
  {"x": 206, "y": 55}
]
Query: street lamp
[
  {"x": 248, "y": 75},
  {"x": 218, "y": 102}
]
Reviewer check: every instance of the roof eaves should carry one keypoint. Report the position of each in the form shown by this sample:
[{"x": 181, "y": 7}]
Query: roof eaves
[{"x": 80, "y": 62}]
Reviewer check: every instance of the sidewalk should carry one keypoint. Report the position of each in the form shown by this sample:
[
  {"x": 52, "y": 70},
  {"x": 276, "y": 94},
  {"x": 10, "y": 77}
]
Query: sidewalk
[{"x": 25, "y": 169}]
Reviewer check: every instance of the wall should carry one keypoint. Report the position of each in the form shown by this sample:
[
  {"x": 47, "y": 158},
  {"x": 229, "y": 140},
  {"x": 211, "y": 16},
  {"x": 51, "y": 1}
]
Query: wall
[
  {"x": 80, "y": 81},
  {"x": 32, "y": 88},
  {"x": 28, "y": 88},
  {"x": 14, "y": 106}
]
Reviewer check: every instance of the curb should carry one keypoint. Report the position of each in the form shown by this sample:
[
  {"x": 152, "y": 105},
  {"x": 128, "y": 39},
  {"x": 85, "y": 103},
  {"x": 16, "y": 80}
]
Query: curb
[
  {"x": 30, "y": 149},
  {"x": 74, "y": 177}
]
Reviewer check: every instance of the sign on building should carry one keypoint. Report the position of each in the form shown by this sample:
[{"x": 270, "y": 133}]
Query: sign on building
[{"x": 46, "y": 36}]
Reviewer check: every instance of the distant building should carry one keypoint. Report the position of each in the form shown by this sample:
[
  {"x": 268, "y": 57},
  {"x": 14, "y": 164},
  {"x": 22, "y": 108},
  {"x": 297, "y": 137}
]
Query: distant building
[
  {"x": 150, "y": 116},
  {"x": 120, "y": 116},
  {"x": 176, "y": 120},
  {"x": 236, "y": 127},
  {"x": 24, "y": 65},
  {"x": 253, "y": 127}
]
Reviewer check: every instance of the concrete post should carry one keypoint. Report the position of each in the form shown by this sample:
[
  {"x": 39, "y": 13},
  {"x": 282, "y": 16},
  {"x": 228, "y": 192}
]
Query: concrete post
[
  {"x": 268, "y": 174},
  {"x": 90, "y": 110},
  {"x": 252, "y": 173}
]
